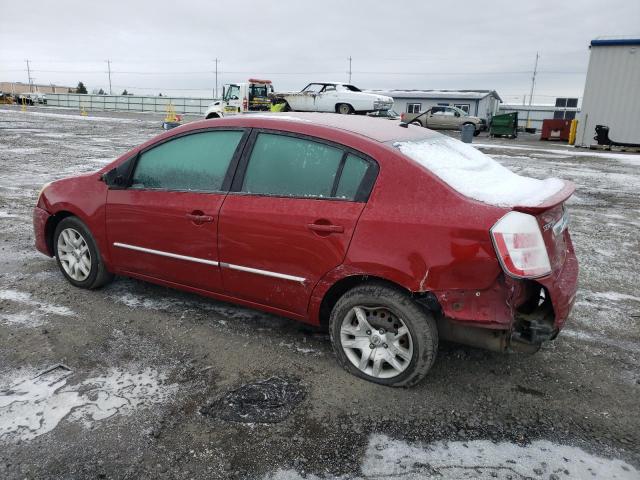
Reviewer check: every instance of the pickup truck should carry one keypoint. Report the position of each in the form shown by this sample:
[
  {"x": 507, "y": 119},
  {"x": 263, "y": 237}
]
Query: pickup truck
[
  {"x": 334, "y": 97},
  {"x": 444, "y": 118}
]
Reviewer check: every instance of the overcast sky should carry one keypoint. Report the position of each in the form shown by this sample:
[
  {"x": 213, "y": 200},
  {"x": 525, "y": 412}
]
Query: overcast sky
[{"x": 170, "y": 47}]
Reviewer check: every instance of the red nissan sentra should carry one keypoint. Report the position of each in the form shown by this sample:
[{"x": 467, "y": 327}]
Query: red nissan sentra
[{"x": 390, "y": 236}]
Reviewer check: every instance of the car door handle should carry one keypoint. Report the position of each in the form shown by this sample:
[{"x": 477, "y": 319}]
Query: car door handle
[
  {"x": 199, "y": 218},
  {"x": 319, "y": 227}
]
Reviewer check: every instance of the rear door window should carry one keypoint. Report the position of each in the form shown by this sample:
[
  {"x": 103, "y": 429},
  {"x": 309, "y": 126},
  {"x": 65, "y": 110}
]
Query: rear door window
[
  {"x": 351, "y": 178},
  {"x": 196, "y": 162},
  {"x": 289, "y": 166}
]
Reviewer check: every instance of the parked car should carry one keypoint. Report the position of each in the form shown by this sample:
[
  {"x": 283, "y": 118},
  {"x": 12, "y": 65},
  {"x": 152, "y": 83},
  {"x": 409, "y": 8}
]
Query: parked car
[
  {"x": 335, "y": 97},
  {"x": 391, "y": 238},
  {"x": 31, "y": 98},
  {"x": 445, "y": 118}
]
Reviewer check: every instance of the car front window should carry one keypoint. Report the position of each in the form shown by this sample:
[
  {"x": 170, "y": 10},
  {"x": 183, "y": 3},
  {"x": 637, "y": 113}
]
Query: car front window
[
  {"x": 196, "y": 162},
  {"x": 232, "y": 93}
]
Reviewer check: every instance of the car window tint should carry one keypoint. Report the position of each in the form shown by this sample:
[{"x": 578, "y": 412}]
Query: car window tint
[
  {"x": 351, "y": 178},
  {"x": 283, "y": 165},
  {"x": 196, "y": 162}
]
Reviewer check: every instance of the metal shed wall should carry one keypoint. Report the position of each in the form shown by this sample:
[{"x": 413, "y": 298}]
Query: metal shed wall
[
  {"x": 612, "y": 92},
  {"x": 484, "y": 108}
]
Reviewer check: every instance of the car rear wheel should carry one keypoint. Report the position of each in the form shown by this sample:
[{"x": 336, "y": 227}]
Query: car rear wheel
[
  {"x": 379, "y": 334},
  {"x": 344, "y": 108},
  {"x": 78, "y": 256},
  {"x": 418, "y": 124}
]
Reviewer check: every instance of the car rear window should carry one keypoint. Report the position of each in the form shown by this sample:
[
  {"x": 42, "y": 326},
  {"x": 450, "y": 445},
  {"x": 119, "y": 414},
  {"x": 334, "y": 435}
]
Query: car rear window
[{"x": 196, "y": 162}]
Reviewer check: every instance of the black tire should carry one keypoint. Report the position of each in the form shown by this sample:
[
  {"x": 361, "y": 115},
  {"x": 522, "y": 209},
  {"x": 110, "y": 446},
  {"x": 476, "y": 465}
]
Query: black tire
[
  {"x": 417, "y": 124},
  {"x": 476, "y": 133},
  {"x": 98, "y": 274},
  {"x": 212, "y": 115},
  {"x": 421, "y": 326},
  {"x": 344, "y": 109}
]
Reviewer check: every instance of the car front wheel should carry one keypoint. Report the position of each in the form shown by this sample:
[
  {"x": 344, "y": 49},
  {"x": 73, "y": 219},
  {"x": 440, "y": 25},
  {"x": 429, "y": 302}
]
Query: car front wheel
[
  {"x": 78, "y": 256},
  {"x": 379, "y": 334}
]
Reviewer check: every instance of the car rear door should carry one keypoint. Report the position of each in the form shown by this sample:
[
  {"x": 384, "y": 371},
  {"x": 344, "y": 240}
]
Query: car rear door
[
  {"x": 290, "y": 217},
  {"x": 164, "y": 223}
]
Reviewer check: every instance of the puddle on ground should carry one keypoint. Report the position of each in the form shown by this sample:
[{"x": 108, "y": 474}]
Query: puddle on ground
[{"x": 264, "y": 401}]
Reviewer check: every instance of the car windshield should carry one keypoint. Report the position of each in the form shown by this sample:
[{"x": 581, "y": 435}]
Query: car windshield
[
  {"x": 313, "y": 88},
  {"x": 476, "y": 175}
]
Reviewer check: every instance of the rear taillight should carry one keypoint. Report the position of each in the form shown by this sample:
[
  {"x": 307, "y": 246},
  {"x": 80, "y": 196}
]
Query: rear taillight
[
  {"x": 402, "y": 115},
  {"x": 520, "y": 247}
]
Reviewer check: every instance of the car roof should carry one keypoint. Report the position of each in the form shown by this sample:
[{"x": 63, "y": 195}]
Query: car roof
[{"x": 370, "y": 127}]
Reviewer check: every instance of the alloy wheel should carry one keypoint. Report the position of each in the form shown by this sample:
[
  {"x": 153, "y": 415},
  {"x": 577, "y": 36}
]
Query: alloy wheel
[
  {"x": 376, "y": 341},
  {"x": 73, "y": 252}
]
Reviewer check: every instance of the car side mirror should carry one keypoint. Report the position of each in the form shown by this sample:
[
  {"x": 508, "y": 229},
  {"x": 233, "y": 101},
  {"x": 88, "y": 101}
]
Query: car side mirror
[
  {"x": 114, "y": 179},
  {"x": 457, "y": 114}
]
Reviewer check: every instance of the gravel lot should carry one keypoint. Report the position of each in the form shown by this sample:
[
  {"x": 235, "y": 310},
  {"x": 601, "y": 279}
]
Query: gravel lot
[{"x": 138, "y": 381}]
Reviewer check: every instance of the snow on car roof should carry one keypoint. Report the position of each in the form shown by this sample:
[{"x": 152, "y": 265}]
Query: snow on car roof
[{"x": 476, "y": 175}]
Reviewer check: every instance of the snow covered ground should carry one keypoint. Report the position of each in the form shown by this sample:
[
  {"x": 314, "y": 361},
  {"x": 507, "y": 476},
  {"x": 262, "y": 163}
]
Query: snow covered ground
[{"x": 143, "y": 360}]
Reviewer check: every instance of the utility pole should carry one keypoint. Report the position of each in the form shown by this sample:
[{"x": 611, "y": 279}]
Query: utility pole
[
  {"x": 29, "y": 76},
  {"x": 533, "y": 84},
  {"x": 349, "y": 69},
  {"x": 215, "y": 91},
  {"x": 109, "y": 71}
]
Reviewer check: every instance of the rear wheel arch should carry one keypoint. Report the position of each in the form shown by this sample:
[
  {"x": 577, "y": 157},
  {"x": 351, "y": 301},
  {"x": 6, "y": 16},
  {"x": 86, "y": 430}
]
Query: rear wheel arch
[
  {"x": 425, "y": 299},
  {"x": 212, "y": 115}
]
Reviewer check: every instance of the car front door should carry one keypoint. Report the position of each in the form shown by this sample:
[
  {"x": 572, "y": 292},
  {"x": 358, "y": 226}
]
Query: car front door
[
  {"x": 436, "y": 118},
  {"x": 163, "y": 224},
  {"x": 289, "y": 218},
  {"x": 451, "y": 119},
  {"x": 306, "y": 101},
  {"x": 327, "y": 99}
]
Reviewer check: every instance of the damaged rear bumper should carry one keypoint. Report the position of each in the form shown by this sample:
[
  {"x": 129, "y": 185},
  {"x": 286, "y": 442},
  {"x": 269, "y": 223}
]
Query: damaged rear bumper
[{"x": 512, "y": 315}]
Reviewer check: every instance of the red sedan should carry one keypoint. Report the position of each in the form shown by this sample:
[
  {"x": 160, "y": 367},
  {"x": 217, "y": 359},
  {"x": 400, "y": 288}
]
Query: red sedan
[{"x": 391, "y": 236}]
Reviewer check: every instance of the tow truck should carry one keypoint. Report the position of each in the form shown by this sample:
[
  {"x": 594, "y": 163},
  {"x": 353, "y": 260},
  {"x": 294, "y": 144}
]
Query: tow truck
[{"x": 251, "y": 96}]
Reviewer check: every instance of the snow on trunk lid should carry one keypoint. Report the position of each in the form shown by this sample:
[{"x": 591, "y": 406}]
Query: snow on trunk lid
[{"x": 476, "y": 175}]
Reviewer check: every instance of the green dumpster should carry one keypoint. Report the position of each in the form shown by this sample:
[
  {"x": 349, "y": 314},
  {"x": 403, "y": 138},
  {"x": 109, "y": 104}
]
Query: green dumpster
[{"x": 505, "y": 125}]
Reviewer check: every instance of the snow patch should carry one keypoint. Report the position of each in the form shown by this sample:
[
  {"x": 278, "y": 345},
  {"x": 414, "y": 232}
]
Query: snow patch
[
  {"x": 476, "y": 175},
  {"x": 631, "y": 158},
  {"x": 34, "y": 317},
  {"x": 78, "y": 117},
  {"x": 386, "y": 458},
  {"x": 7, "y": 215},
  {"x": 32, "y": 405},
  {"x": 485, "y": 459},
  {"x": 615, "y": 296}
]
